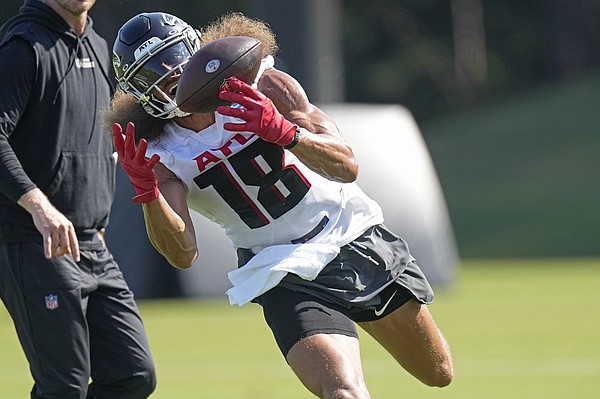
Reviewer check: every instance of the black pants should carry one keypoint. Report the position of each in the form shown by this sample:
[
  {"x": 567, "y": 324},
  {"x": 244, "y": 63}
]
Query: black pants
[{"x": 76, "y": 321}]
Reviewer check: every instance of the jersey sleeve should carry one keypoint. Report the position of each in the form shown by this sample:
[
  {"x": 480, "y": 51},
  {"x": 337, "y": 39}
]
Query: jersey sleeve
[{"x": 17, "y": 76}]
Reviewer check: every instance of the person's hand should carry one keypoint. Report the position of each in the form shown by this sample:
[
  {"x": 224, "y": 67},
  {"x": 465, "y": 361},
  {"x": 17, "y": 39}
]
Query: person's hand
[
  {"x": 58, "y": 233},
  {"x": 138, "y": 168},
  {"x": 260, "y": 114}
]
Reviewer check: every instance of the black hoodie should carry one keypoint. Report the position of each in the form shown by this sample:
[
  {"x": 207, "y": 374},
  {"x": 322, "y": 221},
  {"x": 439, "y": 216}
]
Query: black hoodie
[{"x": 54, "y": 86}]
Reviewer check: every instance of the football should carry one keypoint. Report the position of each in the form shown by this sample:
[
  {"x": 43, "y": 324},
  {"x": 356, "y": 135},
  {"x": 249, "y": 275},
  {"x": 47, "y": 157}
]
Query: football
[{"x": 204, "y": 74}]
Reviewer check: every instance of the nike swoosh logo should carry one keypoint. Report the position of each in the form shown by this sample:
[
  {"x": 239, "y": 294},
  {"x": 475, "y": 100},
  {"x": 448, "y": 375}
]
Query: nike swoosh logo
[{"x": 384, "y": 307}]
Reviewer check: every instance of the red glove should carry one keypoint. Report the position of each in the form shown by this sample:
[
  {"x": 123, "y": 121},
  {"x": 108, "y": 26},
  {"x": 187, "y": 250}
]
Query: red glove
[
  {"x": 135, "y": 164},
  {"x": 260, "y": 114}
]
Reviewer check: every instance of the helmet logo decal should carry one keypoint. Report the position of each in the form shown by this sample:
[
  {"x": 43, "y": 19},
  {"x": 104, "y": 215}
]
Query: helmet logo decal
[
  {"x": 172, "y": 20},
  {"x": 116, "y": 60},
  {"x": 146, "y": 46},
  {"x": 212, "y": 66}
]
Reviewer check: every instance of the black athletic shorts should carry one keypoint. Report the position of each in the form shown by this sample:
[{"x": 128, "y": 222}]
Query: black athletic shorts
[{"x": 370, "y": 278}]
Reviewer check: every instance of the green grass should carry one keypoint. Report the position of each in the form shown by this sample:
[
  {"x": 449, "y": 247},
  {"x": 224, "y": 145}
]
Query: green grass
[
  {"x": 520, "y": 175},
  {"x": 518, "y": 329}
]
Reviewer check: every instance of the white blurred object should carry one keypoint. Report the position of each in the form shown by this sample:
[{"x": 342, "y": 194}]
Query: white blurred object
[{"x": 396, "y": 170}]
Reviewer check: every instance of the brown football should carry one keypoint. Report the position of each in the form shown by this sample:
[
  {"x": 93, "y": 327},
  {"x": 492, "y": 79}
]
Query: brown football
[{"x": 202, "y": 78}]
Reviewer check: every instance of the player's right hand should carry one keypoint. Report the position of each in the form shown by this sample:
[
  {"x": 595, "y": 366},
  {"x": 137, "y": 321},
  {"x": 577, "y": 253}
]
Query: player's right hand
[
  {"x": 138, "y": 168},
  {"x": 259, "y": 114}
]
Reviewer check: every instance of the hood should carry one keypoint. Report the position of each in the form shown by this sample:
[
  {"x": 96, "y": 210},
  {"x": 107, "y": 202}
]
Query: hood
[{"x": 36, "y": 11}]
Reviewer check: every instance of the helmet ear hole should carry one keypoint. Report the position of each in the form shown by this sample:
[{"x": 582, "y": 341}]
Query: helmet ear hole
[{"x": 147, "y": 49}]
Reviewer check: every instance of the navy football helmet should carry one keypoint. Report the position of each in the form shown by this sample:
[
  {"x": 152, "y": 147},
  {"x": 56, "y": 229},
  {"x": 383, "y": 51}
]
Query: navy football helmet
[{"x": 150, "y": 48}]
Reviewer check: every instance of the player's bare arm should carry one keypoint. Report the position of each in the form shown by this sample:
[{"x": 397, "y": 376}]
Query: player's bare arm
[
  {"x": 320, "y": 146},
  {"x": 168, "y": 222},
  {"x": 275, "y": 115}
]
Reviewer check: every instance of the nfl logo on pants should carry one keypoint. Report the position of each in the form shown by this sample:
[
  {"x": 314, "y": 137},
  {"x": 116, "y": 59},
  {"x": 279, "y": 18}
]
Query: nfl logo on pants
[{"x": 51, "y": 301}]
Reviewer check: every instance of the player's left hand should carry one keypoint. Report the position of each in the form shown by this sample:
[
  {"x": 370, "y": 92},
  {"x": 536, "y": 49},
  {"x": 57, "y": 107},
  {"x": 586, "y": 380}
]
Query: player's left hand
[{"x": 259, "y": 113}]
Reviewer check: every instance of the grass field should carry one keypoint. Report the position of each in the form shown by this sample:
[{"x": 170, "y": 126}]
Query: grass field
[
  {"x": 518, "y": 328},
  {"x": 520, "y": 174}
]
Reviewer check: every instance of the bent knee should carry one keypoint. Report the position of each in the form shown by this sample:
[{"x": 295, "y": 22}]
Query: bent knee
[
  {"x": 354, "y": 392},
  {"x": 146, "y": 383},
  {"x": 141, "y": 385},
  {"x": 442, "y": 377}
]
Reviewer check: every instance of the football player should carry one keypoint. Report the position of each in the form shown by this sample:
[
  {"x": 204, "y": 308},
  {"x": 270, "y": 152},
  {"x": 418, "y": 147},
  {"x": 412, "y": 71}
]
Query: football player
[{"x": 274, "y": 171}]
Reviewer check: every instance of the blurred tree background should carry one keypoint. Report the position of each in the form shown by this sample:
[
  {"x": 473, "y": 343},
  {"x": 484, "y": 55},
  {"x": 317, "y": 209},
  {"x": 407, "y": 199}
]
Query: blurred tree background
[
  {"x": 505, "y": 92},
  {"x": 442, "y": 56}
]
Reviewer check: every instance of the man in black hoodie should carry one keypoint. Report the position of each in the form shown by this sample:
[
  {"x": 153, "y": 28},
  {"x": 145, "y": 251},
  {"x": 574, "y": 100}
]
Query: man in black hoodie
[{"x": 75, "y": 316}]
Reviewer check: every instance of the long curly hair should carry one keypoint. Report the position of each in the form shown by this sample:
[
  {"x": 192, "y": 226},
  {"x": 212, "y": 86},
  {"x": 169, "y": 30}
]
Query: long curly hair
[
  {"x": 124, "y": 107},
  {"x": 238, "y": 24}
]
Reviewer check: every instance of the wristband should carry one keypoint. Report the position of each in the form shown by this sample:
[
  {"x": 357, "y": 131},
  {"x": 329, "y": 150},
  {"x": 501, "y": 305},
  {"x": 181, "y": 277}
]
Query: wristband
[{"x": 294, "y": 140}]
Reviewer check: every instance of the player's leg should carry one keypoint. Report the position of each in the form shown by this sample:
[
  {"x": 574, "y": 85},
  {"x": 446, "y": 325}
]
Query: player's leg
[
  {"x": 319, "y": 342},
  {"x": 44, "y": 301},
  {"x": 412, "y": 337},
  {"x": 403, "y": 324},
  {"x": 329, "y": 366},
  {"x": 122, "y": 365}
]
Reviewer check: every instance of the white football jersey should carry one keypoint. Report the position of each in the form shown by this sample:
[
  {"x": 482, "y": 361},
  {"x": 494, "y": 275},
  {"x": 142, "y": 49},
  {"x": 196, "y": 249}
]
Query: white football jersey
[{"x": 261, "y": 194}]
